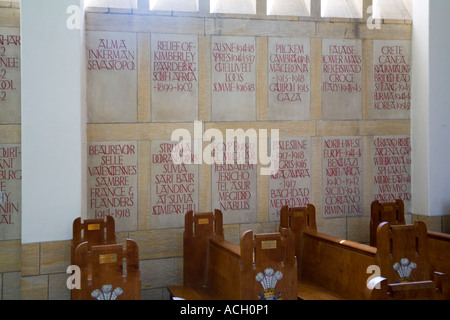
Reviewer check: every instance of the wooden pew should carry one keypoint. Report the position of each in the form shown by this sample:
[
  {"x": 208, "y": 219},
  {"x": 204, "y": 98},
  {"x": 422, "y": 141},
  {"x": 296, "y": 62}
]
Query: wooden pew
[
  {"x": 92, "y": 231},
  {"x": 406, "y": 273},
  {"x": 329, "y": 268},
  {"x": 392, "y": 212},
  {"x": 103, "y": 275},
  {"x": 439, "y": 251},
  {"x": 332, "y": 268},
  {"x": 438, "y": 243},
  {"x": 262, "y": 267}
]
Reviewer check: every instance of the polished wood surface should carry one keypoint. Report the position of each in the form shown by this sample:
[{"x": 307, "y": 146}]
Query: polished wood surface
[
  {"x": 199, "y": 228},
  {"x": 406, "y": 272},
  {"x": 338, "y": 265},
  {"x": 108, "y": 272},
  {"x": 438, "y": 243},
  {"x": 335, "y": 268},
  {"x": 392, "y": 212},
  {"x": 439, "y": 251},
  {"x": 328, "y": 267},
  {"x": 92, "y": 231},
  {"x": 263, "y": 266}
]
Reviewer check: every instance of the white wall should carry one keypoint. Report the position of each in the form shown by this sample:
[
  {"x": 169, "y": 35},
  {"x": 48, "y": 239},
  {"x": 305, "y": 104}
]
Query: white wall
[
  {"x": 53, "y": 122},
  {"x": 420, "y": 105},
  {"x": 439, "y": 108},
  {"x": 431, "y": 108}
]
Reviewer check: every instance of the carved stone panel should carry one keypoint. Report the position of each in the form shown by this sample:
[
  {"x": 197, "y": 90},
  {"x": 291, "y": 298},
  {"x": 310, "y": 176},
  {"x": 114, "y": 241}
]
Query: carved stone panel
[
  {"x": 233, "y": 78},
  {"x": 112, "y": 176},
  {"x": 10, "y": 191},
  {"x": 291, "y": 185},
  {"x": 174, "y": 74},
  {"x": 289, "y": 78},
  {"x": 10, "y": 107},
  {"x": 341, "y": 79},
  {"x": 342, "y": 176},
  {"x": 111, "y": 59},
  {"x": 174, "y": 186}
]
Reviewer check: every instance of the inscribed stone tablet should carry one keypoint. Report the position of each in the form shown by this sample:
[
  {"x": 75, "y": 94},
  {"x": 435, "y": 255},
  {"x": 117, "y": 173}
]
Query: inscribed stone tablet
[
  {"x": 391, "y": 79},
  {"x": 112, "y": 182},
  {"x": 10, "y": 191},
  {"x": 233, "y": 77},
  {"x": 10, "y": 75},
  {"x": 392, "y": 169},
  {"x": 174, "y": 63},
  {"x": 234, "y": 181},
  {"x": 289, "y": 78},
  {"x": 291, "y": 185},
  {"x": 174, "y": 186},
  {"x": 341, "y": 79},
  {"x": 111, "y": 76},
  {"x": 342, "y": 176}
]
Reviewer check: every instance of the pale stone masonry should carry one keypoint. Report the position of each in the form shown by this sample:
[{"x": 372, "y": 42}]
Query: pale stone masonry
[{"x": 131, "y": 111}]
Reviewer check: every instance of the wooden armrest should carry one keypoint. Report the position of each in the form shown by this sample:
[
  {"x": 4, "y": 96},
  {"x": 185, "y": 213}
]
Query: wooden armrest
[
  {"x": 234, "y": 249},
  {"x": 351, "y": 245}
]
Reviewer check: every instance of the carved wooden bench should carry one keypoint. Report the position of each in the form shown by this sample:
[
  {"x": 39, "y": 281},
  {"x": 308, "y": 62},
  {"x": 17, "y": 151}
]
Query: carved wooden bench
[
  {"x": 439, "y": 251},
  {"x": 329, "y": 268},
  {"x": 343, "y": 267},
  {"x": 406, "y": 272},
  {"x": 92, "y": 231},
  {"x": 392, "y": 212},
  {"x": 438, "y": 243},
  {"x": 262, "y": 267},
  {"x": 108, "y": 272}
]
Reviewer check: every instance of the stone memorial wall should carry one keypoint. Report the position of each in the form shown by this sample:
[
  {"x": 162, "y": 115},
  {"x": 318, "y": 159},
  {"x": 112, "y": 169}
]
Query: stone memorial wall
[
  {"x": 10, "y": 153},
  {"x": 10, "y": 148},
  {"x": 338, "y": 93},
  {"x": 321, "y": 90}
]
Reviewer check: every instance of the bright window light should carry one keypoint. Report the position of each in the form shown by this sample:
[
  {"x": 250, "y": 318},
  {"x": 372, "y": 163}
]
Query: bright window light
[
  {"x": 120, "y": 4},
  {"x": 174, "y": 5},
  {"x": 392, "y": 9},
  {"x": 233, "y": 6},
  {"x": 342, "y": 9},
  {"x": 289, "y": 7}
]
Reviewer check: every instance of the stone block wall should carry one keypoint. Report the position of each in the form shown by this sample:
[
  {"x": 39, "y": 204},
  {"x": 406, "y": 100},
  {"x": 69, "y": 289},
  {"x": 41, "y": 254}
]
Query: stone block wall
[
  {"x": 327, "y": 86},
  {"x": 320, "y": 82}
]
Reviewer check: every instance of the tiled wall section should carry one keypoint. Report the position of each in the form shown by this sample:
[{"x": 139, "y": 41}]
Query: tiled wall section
[{"x": 38, "y": 270}]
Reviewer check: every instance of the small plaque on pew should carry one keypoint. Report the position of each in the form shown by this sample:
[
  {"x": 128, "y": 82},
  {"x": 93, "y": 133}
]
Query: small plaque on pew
[
  {"x": 388, "y": 208},
  {"x": 93, "y": 226},
  {"x": 203, "y": 221},
  {"x": 107, "y": 258},
  {"x": 272, "y": 244},
  {"x": 298, "y": 214}
]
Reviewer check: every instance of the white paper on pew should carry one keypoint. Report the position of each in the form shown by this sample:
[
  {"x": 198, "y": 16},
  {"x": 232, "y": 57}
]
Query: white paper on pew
[{"x": 374, "y": 283}]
